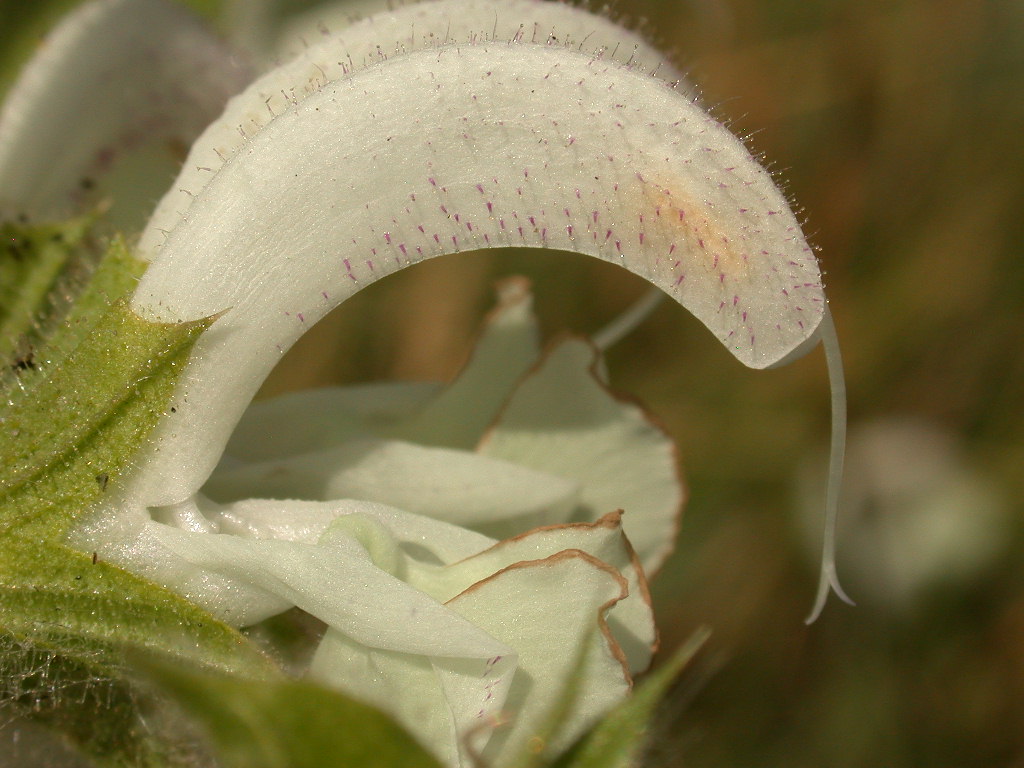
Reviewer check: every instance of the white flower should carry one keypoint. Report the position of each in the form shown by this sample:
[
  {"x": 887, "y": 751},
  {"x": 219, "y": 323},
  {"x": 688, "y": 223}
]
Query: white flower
[
  {"x": 431, "y": 618},
  {"x": 430, "y": 129}
]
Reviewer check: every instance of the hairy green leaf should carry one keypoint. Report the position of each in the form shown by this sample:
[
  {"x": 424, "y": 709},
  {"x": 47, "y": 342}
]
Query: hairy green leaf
[
  {"x": 114, "y": 277},
  {"x": 64, "y": 599},
  {"x": 70, "y": 430},
  {"x": 81, "y": 703}
]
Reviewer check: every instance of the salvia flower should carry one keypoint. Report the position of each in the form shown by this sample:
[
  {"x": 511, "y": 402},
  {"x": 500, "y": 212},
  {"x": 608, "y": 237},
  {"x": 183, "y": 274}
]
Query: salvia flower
[{"x": 465, "y": 548}]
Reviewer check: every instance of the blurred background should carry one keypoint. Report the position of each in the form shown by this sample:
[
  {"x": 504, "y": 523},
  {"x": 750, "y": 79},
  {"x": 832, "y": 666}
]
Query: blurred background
[{"x": 895, "y": 127}]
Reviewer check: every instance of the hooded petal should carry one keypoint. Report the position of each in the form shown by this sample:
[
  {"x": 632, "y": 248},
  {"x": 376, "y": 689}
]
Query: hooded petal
[
  {"x": 608, "y": 162},
  {"x": 375, "y": 29}
]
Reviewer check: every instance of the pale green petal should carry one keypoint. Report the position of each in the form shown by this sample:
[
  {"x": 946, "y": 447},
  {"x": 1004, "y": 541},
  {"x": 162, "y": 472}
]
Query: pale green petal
[
  {"x": 455, "y": 486},
  {"x": 338, "y": 583},
  {"x": 132, "y": 540},
  {"x": 548, "y": 610},
  {"x": 507, "y": 347},
  {"x": 302, "y": 422},
  {"x": 563, "y": 420},
  {"x": 388, "y": 643},
  {"x": 116, "y": 77},
  {"x": 436, "y": 699},
  {"x": 630, "y": 620},
  {"x": 405, "y": 686},
  {"x": 422, "y": 412},
  {"x": 423, "y": 538}
]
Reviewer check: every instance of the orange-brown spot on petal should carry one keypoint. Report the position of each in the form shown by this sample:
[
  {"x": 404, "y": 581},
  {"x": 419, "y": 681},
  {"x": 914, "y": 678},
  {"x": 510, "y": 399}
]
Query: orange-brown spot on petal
[{"x": 684, "y": 218}]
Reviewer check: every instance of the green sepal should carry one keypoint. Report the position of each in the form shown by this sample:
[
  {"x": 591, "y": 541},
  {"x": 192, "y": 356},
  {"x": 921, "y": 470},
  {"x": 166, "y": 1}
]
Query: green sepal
[
  {"x": 289, "y": 724},
  {"x": 115, "y": 276},
  {"x": 619, "y": 739},
  {"x": 73, "y": 429}
]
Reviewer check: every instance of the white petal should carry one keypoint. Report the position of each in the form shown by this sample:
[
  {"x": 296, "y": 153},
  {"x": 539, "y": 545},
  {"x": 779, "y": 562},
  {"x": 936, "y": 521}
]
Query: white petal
[
  {"x": 506, "y": 144},
  {"x": 302, "y": 422},
  {"x": 631, "y": 621},
  {"x": 338, "y": 583},
  {"x": 548, "y": 610},
  {"x": 306, "y": 521},
  {"x": 563, "y": 419},
  {"x": 413, "y": 689},
  {"x": 403, "y": 29},
  {"x": 132, "y": 540},
  {"x": 507, "y": 348},
  {"x": 455, "y": 486},
  {"x": 114, "y": 76}
]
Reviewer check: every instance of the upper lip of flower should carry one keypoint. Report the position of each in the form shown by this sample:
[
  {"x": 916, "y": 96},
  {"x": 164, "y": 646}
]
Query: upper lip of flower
[{"x": 275, "y": 262}]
